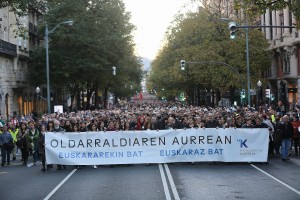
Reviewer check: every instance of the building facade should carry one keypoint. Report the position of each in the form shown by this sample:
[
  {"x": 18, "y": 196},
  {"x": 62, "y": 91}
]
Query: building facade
[
  {"x": 283, "y": 74},
  {"x": 16, "y": 97}
]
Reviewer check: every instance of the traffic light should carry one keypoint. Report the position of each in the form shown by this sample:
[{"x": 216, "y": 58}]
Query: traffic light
[
  {"x": 181, "y": 96},
  {"x": 268, "y": 93},
  {"x": 272, "y": 97},
  {"x": 232, "y": 28},
  {"x": 114, "y": 70},
  {"x": 182, "y": 65},
  {"x": 283, "y": 90},
  {"x": 243, "y": 96}
]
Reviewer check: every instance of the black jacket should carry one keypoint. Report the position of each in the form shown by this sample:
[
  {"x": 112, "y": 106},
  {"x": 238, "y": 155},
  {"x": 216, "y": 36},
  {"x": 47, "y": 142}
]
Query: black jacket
[{"x": 287, "y": 130}]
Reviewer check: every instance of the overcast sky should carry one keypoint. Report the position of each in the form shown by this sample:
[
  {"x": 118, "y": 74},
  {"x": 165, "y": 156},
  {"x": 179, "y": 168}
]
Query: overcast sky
[{"x": 152, "y": 17}]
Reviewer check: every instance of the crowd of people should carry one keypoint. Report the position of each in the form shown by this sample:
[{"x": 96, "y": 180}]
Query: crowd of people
[{"x": 28, "y": 133}]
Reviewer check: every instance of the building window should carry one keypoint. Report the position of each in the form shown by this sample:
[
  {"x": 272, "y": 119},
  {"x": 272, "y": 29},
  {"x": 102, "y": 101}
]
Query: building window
[
  {"x": 281, "y": 18},
  {"x": 271, "y": 24},
  {"x": 290, "y": 20},
  {"x": 286, "y": 64}
]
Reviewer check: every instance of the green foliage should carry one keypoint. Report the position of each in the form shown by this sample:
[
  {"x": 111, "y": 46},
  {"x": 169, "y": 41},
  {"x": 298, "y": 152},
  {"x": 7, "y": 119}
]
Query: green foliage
[
  {"x": 253, "y": 8},
  {"x": 204, "y": 39},
  {"x": 82, "y": 55}
]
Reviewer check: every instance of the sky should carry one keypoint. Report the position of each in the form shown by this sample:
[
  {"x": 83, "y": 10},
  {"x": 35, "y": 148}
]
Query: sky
[{"x": 151, "y": 18}]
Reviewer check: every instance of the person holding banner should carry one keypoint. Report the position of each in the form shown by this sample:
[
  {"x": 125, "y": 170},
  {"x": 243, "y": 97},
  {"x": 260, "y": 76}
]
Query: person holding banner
[
  {"x": 248, "y": 123},
  {"x": 42, "y": 147},
  {"x": 211, "y": 122},
  {"x": 287, "y": 130},
  {"x": 68, "y": 126},
  {"x": 75, "y": 128},
  {"x": 111, "y": 126},
  {"x": 259, "y": 123},
  {"x": 57, "y": 128}
]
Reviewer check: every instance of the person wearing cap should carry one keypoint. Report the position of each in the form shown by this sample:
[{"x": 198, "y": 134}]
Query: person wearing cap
[
  {"x": 6, "y": 142},
  {"x": 287, "y": 131}
]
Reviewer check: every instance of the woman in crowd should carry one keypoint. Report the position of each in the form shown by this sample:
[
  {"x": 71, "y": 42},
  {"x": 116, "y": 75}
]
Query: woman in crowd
[
  {"x": 140, "y": 123},
  {"x": 248, "y": 123},
  {"x": 68, "y": 126},
  {"x": 191, "y": 123},
  {"x": 101, "y": 126},
  {"x": 50, "y": 126},
  {"x": 33, "y": 137},
  {"x": 127, "y": 125},
  {"x": 76, "y": 128},
  {"x": 24, "y": 144},
  {"x": 122, "y": 125},
  {"x": 94, "y": 128}
]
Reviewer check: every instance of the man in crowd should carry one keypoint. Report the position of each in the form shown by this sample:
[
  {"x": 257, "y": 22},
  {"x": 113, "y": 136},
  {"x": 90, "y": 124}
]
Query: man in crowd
[
  {"x": 57, "y": 128},
  {"x": 287, "y": 131},
  {"x": 211, "y": 122},
  {"x": 6, "y": 143}
]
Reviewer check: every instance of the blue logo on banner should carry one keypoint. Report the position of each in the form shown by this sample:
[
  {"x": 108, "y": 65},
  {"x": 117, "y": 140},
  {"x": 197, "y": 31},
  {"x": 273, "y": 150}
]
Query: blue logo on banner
[{"x": 242, "y": 143}]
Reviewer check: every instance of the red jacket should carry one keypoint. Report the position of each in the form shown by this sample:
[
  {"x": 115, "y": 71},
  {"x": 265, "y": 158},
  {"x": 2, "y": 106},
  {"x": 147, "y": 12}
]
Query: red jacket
[{"x": 296, "y": 125}]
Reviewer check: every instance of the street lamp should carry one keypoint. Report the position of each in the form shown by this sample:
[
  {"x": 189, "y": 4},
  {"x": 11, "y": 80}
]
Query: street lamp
[
  {"x": 47, "y": 33},
  {"x": 37, "y": 91},
  {"x": 259, "y": 84},
  {"x": 114, "y": 70}
]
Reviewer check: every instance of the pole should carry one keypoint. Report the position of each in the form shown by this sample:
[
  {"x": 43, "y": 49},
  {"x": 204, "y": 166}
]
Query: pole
[
  {"x": 37, "y": 102},
  {"x": 257, "y": 97},
  {"x": 248, "y": 65},
  {"x": 47, "y": 68}
]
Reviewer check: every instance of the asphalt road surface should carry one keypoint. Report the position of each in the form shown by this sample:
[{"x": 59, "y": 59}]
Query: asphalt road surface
[{"x": 277, "y": 180}]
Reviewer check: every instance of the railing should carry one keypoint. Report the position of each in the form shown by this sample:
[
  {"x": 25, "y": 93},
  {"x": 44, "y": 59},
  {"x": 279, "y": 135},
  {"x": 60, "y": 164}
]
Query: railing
[{"x": 8, "y": 48}]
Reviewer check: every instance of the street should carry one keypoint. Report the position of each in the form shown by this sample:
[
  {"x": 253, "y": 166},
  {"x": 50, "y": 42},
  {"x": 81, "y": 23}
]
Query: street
[{"x": 190, "y": 181}]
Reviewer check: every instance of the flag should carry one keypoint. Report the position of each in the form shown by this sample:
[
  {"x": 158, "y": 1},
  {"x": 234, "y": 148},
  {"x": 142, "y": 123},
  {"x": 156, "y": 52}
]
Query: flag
[{"x": 141, "y": 96}]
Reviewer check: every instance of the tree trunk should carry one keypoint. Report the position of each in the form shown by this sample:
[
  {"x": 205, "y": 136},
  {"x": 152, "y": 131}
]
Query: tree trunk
[
  {"x": 232, "y": 90},
  {"x": 96, "y": 95},
  {"x": 105, "y": 102},
  {"x": 78, "y": 99}
]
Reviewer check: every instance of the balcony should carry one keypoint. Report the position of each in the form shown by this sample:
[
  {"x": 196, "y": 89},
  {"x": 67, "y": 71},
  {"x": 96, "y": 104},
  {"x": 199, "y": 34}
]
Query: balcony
[
  {"x": 8, "y": 48},
  {"x": 33, "y": 29}
]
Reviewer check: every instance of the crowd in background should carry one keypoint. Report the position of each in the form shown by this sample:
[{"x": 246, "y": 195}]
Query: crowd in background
[{"x": 27, "y": 132}]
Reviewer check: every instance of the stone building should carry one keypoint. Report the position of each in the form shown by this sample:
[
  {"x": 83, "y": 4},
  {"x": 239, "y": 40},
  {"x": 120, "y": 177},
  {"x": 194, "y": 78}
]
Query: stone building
[
  {"x": 283, "y": 74},
  {"x": 16, "y": 97}
]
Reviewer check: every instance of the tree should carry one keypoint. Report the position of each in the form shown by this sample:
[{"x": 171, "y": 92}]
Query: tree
[
  {"x": 82, "y": 56},
  {"x": 251, "y": 8},
  {"x": 202, "y": 37}
]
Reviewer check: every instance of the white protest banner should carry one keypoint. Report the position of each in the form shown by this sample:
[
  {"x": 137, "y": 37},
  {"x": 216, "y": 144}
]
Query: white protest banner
[{"x": 164, "y": 146}]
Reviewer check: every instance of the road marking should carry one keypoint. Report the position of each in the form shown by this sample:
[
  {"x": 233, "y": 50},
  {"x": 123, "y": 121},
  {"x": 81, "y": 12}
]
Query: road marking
[
  {"x": 164, "y": 181},
  {"x": 3, "y": 173},
  {"x": 171, "y": 181},
  {"x": 59, "y": 185},
  {"x": 276, "y": 179}
]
